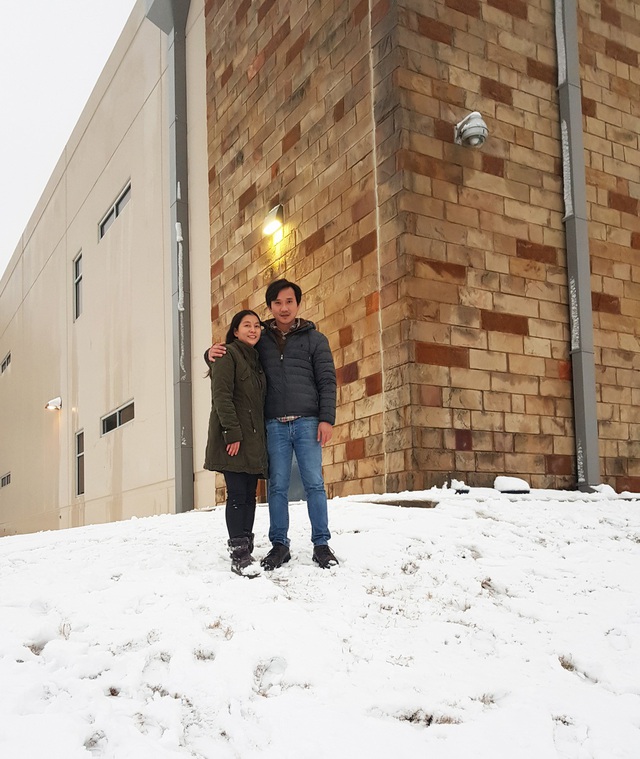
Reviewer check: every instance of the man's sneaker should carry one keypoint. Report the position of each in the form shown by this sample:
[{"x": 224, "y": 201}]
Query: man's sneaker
[
  {"x": 324, "y": 556},
  {"x": 276, "y": 557}
]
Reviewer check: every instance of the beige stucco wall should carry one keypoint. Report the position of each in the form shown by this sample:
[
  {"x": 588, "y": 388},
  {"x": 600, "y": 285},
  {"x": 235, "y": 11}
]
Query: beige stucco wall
[{"x": 119, "y": 349}]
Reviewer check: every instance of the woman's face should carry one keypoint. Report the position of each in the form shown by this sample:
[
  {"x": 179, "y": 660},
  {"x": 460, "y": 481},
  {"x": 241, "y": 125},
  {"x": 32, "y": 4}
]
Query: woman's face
[{"x": 249, "y": 330}]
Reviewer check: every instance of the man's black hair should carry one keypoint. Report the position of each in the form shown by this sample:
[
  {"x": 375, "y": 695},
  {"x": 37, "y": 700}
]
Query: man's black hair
[{"x": 281, "y": 284}]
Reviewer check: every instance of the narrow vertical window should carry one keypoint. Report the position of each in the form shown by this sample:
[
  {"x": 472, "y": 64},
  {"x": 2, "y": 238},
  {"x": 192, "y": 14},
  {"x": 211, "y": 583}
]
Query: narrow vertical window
[
  {"x": 80, "y": 463},
  {"x": 77, "y": 286},
  {"x": 115, "y": 211},
  {"x": 5, "y": 363},
  {"x": 5, "y": 480}
]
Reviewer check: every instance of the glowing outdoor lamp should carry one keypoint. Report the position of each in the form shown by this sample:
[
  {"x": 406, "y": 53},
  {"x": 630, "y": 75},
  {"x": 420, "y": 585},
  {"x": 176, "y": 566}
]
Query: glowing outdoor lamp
[
  {"x": 55, "y": 404},
  {"x": 274, "y": 220}
]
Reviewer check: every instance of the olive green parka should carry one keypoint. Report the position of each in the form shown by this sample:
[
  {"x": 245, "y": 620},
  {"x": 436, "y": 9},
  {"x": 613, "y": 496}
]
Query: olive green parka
[{"x": 238, "y": 388}]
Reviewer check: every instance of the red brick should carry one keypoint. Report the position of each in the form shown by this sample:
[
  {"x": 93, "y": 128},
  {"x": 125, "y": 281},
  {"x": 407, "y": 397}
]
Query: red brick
[
  {"x": 338, "y": 110},
  {"x": 217, "y": 268},
  {"x": 542, "y": 71},
  {"x": 635, "y": 240},
  {"x": 610, "y": 16},
  {"x": 360, "y": 12},
  {"x": 265, "y": 8},
  {"x": 623, "y": 203},
  {"x": 511, "y": 323},
  {"x": 621, "y": 53},
  {"x": 346, "y": 336},
  {"x": 565, "y": 371},
  {"x": 557, "y": 464},
  {"x": 443, "y": 130},
  {"x": 496, "y": 91},
  {"x": 366, "y": 244},
  {"x": 290, "y": 138},
  {"x": 373, "y": 384},
  {"x": 226, "y": 75},
  {"x": 464, "y": 441},
  {"x": 347, "y": 373},
  {"x": 605, "y": 303},
  {"x": 247, "y": 196},
  {"x": 379, "y": 11},
  {"x": 428, "y": 166},
  {"x": 372, "y": 303},
  {"x": 435, "y": 30},
  {"x": 242, "y": 10},
  {"x": 278, "y": 38},
  {"x": 442, "y": 355},
  {"x": 354, "y": 449},
  {"x": 491, "y": 164},
  {"x": 215, "y": 312},
  {"x": 470, "y": 7},
  {"x": 588, "y": 106},
  {"x": 314, "y": 241},
  {"x": 516, "y": 8},
  {"x": 628, "y": 484},
  {"x": 297, "y": 47},
  {"x": 532, "y": 251}
]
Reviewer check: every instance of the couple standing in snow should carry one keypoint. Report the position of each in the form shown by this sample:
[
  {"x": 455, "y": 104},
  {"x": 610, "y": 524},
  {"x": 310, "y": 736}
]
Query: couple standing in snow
[{"x": 273, "y": 391}]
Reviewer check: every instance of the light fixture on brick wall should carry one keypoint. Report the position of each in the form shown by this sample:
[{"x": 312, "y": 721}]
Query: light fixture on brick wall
[
  {"x": 55, "y": 404},
  {"x": 472, "y": 131},
  {"x": 274, "y": 220}
]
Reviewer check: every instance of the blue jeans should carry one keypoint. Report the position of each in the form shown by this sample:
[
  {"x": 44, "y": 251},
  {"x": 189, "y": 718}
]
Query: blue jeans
[{"x": 283, "y": 438}]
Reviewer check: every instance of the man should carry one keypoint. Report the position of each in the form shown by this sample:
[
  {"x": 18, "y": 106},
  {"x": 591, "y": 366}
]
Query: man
[{"x": 300, "y": 411}]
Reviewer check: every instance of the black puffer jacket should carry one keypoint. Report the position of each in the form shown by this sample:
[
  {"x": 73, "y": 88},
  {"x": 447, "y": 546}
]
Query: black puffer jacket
[
  {"x": 301, "y": 379},
  {"x": 237, "y": 412}
]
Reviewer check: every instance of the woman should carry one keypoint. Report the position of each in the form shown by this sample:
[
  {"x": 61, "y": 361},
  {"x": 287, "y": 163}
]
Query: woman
[{"x": 236, "y": 445}]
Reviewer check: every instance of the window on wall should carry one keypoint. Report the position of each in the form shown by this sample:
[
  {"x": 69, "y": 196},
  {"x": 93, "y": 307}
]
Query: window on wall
[
  {"x": 77, "y": 286},
  {"x": 80, "y": 463},
  {"x": 5, "y": 363},
  {"x": 115, "y": 211},
  {"x": 5, "y": 480},
  {"x": 117, "y": 418}
]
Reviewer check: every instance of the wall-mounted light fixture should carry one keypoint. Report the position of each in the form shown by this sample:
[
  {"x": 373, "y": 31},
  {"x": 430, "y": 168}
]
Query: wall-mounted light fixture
[
  {"x": 55, "y": 404},
  {"x": 274, "y": 220},
  {"x": 471, "y": 131}
]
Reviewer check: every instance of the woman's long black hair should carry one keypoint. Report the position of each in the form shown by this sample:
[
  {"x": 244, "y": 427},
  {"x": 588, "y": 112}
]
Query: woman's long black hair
[{"x": 235, "y": 323}]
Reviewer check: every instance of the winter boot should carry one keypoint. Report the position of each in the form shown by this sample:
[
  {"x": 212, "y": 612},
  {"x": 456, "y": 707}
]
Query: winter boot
[
  {"x": 324, "y": 557},
  {"x": 276, "y": 557},
  {"x": 240, "y": 554}
]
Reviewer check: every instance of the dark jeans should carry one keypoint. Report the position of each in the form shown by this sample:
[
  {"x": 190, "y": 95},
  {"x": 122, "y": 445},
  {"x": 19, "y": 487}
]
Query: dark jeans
[{"x": 241, "y": 503}]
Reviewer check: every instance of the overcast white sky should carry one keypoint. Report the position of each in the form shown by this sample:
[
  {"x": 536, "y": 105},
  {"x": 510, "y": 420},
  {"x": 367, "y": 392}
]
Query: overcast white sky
[{"x": 51, "y": 56}]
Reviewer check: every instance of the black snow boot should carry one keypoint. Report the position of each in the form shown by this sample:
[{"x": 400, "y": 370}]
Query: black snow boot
[
  {"x": 324, "y": 557},
  {"x": 277, "y": 556},
  {"x": 241, "y": 557}
]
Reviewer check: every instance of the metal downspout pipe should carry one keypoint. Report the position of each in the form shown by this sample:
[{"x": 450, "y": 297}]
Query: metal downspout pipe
[
  {"x": 171, "y": 17},
  {"x": 577, "y": 241}
]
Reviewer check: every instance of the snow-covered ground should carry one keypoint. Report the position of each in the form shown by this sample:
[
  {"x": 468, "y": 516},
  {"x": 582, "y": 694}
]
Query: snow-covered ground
[{"x": 489, "y": 626}]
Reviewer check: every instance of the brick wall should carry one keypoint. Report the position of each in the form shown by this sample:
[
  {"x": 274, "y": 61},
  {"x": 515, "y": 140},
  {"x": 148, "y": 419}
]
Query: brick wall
[
  {"x": 437, "y": 272},
  {"x": 609, "y": 54},
  {"x": 290, "y": 121}
]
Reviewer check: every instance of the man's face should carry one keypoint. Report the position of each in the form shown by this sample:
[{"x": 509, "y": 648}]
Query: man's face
[{"x": 284, "y": 309}]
